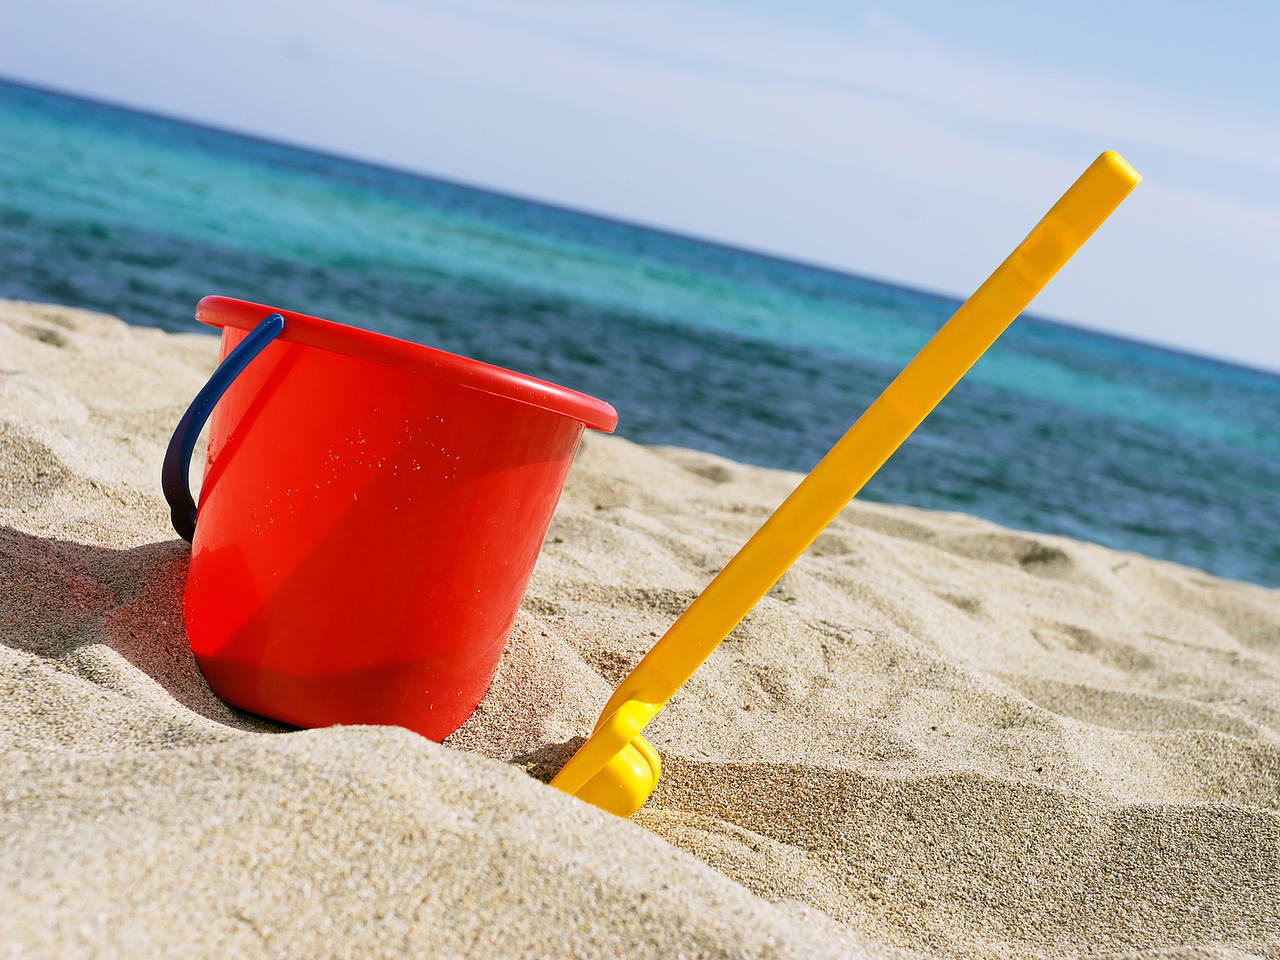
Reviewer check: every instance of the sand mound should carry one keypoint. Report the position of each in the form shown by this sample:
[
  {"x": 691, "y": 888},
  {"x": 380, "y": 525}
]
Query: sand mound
[{"x": 934, "y": 735}]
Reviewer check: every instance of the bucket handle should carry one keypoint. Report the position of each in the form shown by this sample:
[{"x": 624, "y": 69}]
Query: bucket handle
[{"x": 177, "y": 459}]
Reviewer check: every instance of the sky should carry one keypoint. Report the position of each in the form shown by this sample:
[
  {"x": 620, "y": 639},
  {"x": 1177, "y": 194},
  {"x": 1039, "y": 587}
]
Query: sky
[{"x": 915, "y": 142}]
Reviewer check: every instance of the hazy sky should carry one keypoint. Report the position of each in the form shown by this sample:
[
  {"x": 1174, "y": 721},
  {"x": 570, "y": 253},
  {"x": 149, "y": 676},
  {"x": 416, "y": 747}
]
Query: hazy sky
[{"x": 915, "y": 142}]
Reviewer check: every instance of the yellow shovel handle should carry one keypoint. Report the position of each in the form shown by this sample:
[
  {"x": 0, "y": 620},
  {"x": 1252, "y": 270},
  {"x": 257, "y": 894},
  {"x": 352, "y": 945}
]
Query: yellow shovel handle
[{"x": 878, "y": 433}]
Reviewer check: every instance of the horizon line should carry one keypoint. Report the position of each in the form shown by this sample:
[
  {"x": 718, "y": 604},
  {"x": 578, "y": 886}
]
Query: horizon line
[{"x": 952, "y": 300}]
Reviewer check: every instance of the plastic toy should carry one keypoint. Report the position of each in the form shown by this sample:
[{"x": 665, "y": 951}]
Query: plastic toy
[
  {"x": 370, "y": 515},
  {"x": 616, "y": 768}
]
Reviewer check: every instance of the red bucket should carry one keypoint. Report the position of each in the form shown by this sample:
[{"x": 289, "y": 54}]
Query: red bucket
[{"x": 370, "y": 515}]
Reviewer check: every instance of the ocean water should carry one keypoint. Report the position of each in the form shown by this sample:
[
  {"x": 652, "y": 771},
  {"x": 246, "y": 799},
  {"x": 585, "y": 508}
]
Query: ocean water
[{"x": 701, "y": 345}]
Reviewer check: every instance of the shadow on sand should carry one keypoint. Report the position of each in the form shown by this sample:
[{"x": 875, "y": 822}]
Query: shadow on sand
[{"x": 78, "y": 605}]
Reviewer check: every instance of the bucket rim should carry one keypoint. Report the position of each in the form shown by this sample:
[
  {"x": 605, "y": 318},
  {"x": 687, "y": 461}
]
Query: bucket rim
[{"x": 361, "y": 344}]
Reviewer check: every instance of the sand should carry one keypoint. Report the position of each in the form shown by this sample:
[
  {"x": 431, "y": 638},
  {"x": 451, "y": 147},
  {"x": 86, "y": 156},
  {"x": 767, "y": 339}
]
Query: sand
[{"x": 934, "y": 736}]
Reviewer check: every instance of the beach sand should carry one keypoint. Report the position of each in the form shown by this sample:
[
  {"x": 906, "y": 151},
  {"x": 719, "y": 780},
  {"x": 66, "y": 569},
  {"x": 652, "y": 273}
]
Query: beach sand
[{"x": 935, "y": 736}]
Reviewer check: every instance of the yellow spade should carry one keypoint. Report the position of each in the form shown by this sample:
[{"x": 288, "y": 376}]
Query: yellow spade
[{"x": 616, "y": 768}]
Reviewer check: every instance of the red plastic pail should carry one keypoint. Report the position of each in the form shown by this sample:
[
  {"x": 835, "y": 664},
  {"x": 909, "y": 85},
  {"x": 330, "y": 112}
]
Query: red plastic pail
[{"x": 370, "y": 515}]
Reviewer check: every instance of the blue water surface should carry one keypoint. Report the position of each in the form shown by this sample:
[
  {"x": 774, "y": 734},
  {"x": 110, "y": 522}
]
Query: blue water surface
[{"x": 697, "y": 344}]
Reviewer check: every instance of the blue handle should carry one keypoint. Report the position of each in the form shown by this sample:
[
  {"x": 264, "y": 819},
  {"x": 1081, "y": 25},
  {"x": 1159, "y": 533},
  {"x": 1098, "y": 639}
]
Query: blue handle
[{"x": 177, "y": 459}]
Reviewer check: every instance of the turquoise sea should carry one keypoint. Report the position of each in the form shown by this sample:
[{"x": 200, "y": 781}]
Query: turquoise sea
[{"x": 697, "y": 344}]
